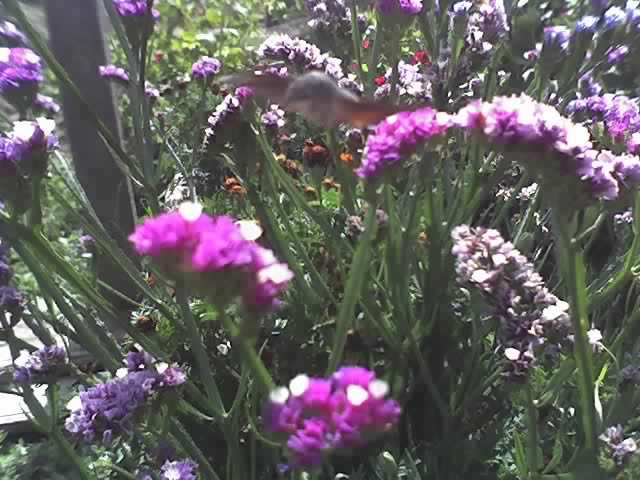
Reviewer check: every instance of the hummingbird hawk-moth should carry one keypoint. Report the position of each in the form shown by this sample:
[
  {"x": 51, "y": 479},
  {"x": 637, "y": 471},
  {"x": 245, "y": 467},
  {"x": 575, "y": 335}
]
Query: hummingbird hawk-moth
[{"x": 316, "y": 96}]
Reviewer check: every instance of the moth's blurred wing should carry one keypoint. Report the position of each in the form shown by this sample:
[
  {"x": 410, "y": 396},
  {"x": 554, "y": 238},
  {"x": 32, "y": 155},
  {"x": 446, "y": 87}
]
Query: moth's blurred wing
[
  {"x": 364, "y": 113},
  {"x": 263, "y": 84},
  {"x": 361, "y": 114}
]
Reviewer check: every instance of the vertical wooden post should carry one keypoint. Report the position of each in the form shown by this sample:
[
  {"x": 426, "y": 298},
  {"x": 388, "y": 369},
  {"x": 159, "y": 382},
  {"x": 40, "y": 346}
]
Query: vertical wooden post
[{"x": 77, "y": 41}]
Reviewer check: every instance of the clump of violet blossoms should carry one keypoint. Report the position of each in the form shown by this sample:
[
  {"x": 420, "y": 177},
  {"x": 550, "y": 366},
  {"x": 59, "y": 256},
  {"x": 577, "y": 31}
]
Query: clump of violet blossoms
[
  {"x": 109, "y": 409},
  {"x": 398, "y": 136},
  {"x": 319, "y": 417},
  {"x": 205, "y": 67},
  {"x": 10, "y": 36},
  {"x": 20, "y": 76},
  {"x": 214, "y": 256},
  {"x": 34, "y": 367},
  {"x": 179, "y": 470},
  {"x": 552, "y": 146},
  {"x": 531, "y": 319}
]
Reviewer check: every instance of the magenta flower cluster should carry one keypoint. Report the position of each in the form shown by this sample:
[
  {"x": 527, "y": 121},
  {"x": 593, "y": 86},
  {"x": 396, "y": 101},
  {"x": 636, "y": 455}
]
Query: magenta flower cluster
[
  {"x": 185, "y": 469},
  {"x": 549, "y": 144},
  {"x": 205, "y": 67},
  {"x": 318, "y": 417},
  {"x": 109, "y": 409},
  {"x": 35, "y": 366},
  {"x": 217, "y": 248},
  {"x": 20, "y": 75},
  {"x": 400, "y": 135},
  {"x": 531, "y": 318}
]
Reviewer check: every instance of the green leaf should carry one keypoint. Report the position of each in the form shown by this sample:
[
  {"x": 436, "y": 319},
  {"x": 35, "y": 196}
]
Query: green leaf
[{"x": 520, "y": 456}]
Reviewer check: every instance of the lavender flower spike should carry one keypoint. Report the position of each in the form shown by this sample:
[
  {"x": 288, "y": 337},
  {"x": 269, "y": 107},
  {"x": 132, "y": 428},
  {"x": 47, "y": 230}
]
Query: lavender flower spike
[
  {"x": 531, "y": 318},
  {"x": 20, "y": 75},
  {"x": 30, "y": 367}
]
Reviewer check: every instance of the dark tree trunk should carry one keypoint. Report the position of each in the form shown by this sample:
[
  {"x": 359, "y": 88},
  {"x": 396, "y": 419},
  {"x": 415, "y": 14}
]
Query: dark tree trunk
[{"x": 77, "y": 41}]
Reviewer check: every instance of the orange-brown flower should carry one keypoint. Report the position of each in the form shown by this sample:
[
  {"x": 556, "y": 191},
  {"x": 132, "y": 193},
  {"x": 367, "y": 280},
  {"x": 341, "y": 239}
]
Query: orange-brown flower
[
  {"x": 310, "y": 192},
  {"x": 315, "y": 154},
  {"x": 290, "y": 166},
  {"x": 234, "y": 187},
  {"x": 330, "y": 184}
]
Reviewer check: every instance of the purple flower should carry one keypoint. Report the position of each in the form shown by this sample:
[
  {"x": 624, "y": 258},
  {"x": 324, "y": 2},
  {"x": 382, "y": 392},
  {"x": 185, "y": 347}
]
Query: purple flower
[
  {"x": 138, "y": 17},
  {"x": 633, "y": 145},
  {"x": 411, "y": 82},
  {"x": 530, "y": 130},
  {"x": 530, "y": 316},
  {"x": 398, "y": 136},
  {"x": 10, "y": 34},
  {"x": 613, "y": 18},
  {"x": 20, "y": 75},
  {"x": 617, "y": 55},
  {"x": 8, "y": 161},
  {"x": 587, "y": 24},
  {"x": 273, "y": 118},
  {"x": 588, "y": 86},
  {"x": 115, "y": 73},
  {"x": 556, "y": 39},
  {"x": 11, "y": 300},
  {"x": 185, "y": 469},
  {"x": 151, "y": 92},
  {"x": 299, "y": 53},
  {"x": 134, "y": 8},
  {"x": 318, "y": 417},
  {"x": 110, "y": 408},
  {"x": 408, "y": 7},
  {"x": 487, "y": 25},
  {"x": 226, "y": 111},
  {"x": 621, "y": 449},
  {"x": 331, "y": 15},
  {"x": 47, "y": 104},
  {"x": 33, "y": 139},
  {"x": 206, "y": 67},
  {"x": 31, "y": 367}
]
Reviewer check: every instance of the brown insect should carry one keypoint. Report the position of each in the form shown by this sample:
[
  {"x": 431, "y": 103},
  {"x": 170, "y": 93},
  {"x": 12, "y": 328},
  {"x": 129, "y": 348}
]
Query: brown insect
[{"x": 316, "y": 96}]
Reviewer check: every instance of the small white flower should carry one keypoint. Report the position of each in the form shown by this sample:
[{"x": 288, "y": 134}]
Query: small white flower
[
  {"x": 299, "y": 384},
  {"x": 190, "y": 211}
]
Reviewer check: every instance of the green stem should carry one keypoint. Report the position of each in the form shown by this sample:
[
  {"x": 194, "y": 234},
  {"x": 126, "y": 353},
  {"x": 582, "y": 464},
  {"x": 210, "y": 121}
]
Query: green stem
[
  {"x": 573, "y": 265},
  {"x": 185, "y": 441},
  {"x": 200, "y": 351},
  {"x": 357, "y": 41},
  {"x": 359, "y": 267},
  {"x": 35, "y": 214},
  {"x": 248, "y": 352},
  {"x": 532, "y": 433}
]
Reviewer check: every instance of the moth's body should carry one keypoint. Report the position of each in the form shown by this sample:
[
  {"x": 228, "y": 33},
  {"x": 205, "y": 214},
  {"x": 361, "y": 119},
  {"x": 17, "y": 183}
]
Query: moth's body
[{"x": 316, "y": 96}]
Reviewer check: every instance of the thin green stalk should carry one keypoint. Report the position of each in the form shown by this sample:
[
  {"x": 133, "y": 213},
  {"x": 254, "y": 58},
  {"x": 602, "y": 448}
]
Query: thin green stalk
[
  {"x": 532, "y": 434},
  {"x": 573, "y": 265},
  {"x": 185, "y": 441},
  {"x": 199, "y": 351},
  {"x": 353, "y": 288},
  {"x": 357, "y": 41},
  {"x": 375, "y": 52},
  {"x": 248, "y": 352},
  {"x": 624, "y": 276},
  {"x": 121, "y": 471}
]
